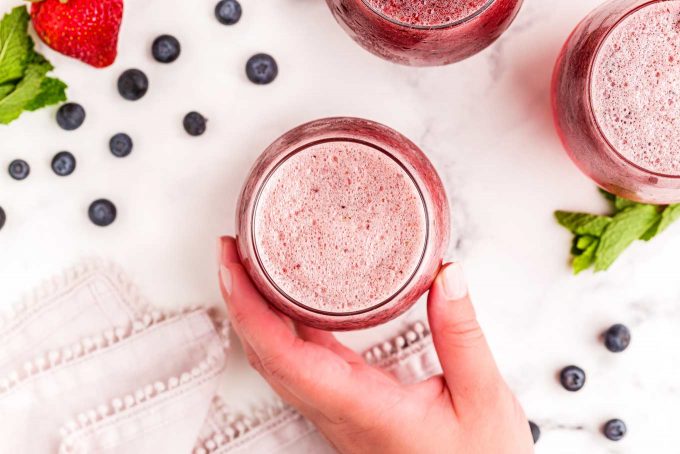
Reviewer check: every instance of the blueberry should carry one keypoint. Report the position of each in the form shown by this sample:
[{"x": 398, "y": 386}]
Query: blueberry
[
  {"x": 535, "y": 431},
  {"x": 194, "y": 123},
  {"x": 262, "y": 69},
  {"x": 63, "y": 163},
  {"x": 228, "y": 12},
  {"x": 19, "y": 169},
  {"x": 102, "y": 212},
  {"x": 70, "y": 116},
  {"x": 615, "y": 429},
  {"x": 166, "y": 49},
  {"x": 120, "y": 145},
  {"x": 133, "y": 84},
  {"x": 3, "y": 218},
  {"x": 617, "y": 338},
  {"x": 572, "y": 378}
]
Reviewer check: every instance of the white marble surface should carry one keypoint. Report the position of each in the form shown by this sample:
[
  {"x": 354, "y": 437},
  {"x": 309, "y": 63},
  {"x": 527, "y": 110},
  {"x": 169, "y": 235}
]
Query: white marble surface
[{"x": 486, "y": 125}]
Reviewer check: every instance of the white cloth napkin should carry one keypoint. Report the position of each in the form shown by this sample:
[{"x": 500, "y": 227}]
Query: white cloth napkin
[{"x": 87, "y": 366}]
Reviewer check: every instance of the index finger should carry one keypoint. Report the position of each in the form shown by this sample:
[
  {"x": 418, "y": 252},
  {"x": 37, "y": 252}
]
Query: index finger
[{"x": 469, "y": 367}]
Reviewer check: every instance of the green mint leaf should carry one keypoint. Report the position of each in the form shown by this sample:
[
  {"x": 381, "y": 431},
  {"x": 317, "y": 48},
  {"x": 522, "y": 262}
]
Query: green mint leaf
[
  {"x": 587, "y": 258},
  {"x": 670, "y": 214},
  {"x": 15, "y": 44},
  {"x": 12, "y": 105},
  {"x": 652, "y": 231},
  {"x": 626, "y": 227},
  {"x": 584, "y": 242},
  {"x": 38, "y": 59},
  {"x": 52, "y": 91},
  {"x": 621, "y": 204},
  {"x": 6, "y": 89},
  {"x": 575, "y": 251},
  {"x": 23, "y": 81},
  {"x": 583, "y": 223},
  {"x": 581, "y": 244},
  {"x": 600, "y": 240}
]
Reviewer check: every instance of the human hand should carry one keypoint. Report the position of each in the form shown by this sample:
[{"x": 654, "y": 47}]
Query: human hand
[{"x": 361, "y": 409}]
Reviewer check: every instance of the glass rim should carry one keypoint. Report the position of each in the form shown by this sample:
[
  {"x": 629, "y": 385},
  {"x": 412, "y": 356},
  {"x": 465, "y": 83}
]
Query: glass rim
[
  {"x": 271, "y": 280},
  {"x": 644, "y": 4},
  {"x": 451, "y": 24}
]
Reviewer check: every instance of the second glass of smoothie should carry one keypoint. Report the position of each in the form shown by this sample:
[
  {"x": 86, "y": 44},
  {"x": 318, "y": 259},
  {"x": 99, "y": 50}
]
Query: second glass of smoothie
[
  {"x": 343, "y": 223},
  {"x": 616, "y": 97},
  {"x": 425, "y": 32}
]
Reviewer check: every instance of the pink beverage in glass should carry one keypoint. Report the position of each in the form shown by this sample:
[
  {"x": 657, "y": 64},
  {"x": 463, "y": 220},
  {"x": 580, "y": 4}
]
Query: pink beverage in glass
[
  {"x": 616, "y": 98},
  {"x": 425, "y": 32},
  {"x": 343, "y": 223}
]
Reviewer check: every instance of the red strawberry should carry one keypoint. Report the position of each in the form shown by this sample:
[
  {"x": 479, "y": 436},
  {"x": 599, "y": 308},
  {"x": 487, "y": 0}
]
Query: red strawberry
[{"x": 83, "y": 29}]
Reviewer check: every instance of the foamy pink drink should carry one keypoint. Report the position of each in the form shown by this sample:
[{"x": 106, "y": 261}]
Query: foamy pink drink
[
  {"x": 343, "y": 223},
  {"x": 425, "y": 32},
  {"x": 427, "y": 13},
  {"x": 616, "y": 98}
]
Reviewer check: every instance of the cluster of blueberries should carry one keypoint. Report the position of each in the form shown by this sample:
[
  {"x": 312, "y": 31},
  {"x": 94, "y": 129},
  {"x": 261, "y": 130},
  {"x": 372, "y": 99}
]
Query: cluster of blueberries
[
  {"x": 71, "y": 116},
  {"x": 261, "y": 69},
  {"x": 573, "y": 378}
]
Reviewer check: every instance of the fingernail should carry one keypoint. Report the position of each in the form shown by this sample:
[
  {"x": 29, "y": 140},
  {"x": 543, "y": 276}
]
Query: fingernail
[
  {"x": 453, "y": 282},
  {"x": 225, "y": 276},
  {"x": 219, "y": 251}
]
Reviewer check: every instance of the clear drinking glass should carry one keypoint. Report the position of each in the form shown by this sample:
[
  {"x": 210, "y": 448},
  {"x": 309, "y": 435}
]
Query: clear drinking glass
[
  {"x": 616, "y": 98},
  {"x": 425, "y": 32},
  {"x": 342, "y": 223}
]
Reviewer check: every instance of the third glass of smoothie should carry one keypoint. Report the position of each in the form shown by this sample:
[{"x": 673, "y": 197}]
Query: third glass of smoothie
[
  {"x": 343, "y": 223},
  {"x": 616, "y": 98},
  {"x": 425, "y": 32}
]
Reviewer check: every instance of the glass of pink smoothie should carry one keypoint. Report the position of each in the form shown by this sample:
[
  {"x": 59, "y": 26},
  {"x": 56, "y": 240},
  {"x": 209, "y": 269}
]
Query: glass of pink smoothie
[
  {"x": 342, "y": 223},
  {"x": 425, "y": 32},
  {"x": 616, "y": 98}
]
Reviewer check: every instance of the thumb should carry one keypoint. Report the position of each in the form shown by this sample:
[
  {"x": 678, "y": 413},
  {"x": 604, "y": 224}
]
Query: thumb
[{"x": 469, "y": 367}]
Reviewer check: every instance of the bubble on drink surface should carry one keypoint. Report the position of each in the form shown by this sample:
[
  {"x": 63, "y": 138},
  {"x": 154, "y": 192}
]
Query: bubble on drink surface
[
  {"x": 635, "y": 87},
  {"x": 340, "y": 227},
  {"x": 427, "y": 12}
]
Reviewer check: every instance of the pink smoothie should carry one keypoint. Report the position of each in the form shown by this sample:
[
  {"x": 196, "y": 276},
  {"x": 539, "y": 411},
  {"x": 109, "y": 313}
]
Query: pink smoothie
[
  {"x": 427, "y": 12},
  {"x": 340, "y": 227},
  {"x": 635, "y": 88}
]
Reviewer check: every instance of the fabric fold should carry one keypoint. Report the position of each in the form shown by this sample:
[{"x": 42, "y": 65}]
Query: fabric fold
[
  {"x": 85, "y": 300},
  {"x": 90, "y": 364}
]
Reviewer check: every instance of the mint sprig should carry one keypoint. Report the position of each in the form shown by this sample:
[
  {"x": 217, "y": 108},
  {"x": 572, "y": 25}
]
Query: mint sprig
[
  {"x": 600, "y": 240},
  {"x": 24, "y": 84}
]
